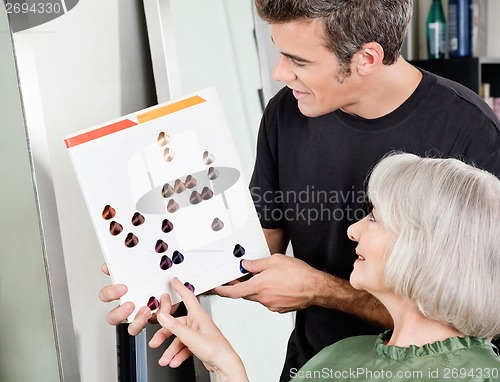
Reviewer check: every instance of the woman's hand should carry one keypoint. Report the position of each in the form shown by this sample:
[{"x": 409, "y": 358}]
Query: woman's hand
[{"x": 199, "y": 333}]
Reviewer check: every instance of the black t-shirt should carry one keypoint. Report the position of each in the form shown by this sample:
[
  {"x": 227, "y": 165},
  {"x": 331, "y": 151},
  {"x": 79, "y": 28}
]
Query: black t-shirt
[{"x": 310, "y": 177}]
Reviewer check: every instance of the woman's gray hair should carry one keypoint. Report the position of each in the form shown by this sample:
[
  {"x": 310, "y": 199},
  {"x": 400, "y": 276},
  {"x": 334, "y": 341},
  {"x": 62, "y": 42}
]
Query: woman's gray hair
[{"x": 446, "y": 258}]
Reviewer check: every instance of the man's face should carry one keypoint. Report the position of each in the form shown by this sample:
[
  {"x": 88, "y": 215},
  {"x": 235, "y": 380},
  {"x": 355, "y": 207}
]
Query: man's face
[{"x": 310, "y": 69}]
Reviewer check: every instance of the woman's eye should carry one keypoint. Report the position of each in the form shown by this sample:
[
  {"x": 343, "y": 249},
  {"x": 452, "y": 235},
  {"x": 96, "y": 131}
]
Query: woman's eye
[{"x": 371, "y": 217}]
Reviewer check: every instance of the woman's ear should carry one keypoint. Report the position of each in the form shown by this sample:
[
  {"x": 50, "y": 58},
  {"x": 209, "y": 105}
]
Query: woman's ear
[{"x": 370, "y": 56}]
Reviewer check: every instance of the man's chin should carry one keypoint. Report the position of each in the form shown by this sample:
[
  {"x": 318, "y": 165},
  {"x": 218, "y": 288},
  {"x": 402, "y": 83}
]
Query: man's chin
[
  {"x": 309, "y": 110},
  {"x": 306, "y": 110}
]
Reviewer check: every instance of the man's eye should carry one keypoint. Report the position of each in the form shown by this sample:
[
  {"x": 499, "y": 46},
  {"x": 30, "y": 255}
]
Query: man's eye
[{"x": 297, "y": 64}]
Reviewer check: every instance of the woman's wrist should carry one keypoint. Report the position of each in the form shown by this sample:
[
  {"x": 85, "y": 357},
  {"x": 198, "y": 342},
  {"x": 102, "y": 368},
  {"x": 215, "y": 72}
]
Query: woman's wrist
[{"x": 232, "y": 370}]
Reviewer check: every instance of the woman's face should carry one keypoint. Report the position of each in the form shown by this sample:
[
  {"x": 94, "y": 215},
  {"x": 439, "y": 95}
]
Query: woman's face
[{"x": 374, "y": 244}]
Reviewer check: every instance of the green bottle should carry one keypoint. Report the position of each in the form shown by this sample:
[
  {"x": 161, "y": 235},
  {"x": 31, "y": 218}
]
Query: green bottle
[{"x": 436, "y": 31}]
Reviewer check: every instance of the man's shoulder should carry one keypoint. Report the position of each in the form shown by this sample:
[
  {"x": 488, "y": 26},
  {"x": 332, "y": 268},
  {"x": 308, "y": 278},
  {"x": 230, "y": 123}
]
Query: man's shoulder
[
  {"x": 453, "y": 105},
  {"x": 447, "y": 90}
]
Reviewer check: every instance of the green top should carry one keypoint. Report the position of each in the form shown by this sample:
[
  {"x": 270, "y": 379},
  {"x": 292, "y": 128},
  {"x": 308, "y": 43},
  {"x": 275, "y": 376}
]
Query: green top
[{"x": 357, "y": 359}]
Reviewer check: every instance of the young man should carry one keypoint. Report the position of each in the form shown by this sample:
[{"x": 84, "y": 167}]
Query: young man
[{"x": 350, "y": 98}]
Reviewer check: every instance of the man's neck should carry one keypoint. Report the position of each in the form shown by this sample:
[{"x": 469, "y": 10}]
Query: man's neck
[{"x": 385, "y": 90}]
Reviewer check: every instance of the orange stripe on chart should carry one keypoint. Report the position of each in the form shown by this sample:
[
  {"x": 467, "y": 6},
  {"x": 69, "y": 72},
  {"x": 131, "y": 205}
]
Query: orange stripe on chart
[
  {"x": 98, "y": 133},
  {"x": 126, "y": 123},
  {"x": 169, "y": 109}
]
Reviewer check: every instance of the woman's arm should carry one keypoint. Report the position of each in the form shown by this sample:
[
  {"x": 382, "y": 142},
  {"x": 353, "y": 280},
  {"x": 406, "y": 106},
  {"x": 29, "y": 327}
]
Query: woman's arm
[{"x": 199, "y": 333}]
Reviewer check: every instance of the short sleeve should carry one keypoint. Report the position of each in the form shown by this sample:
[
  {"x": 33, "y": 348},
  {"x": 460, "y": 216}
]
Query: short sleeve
[{"x": 265, "y": 184}]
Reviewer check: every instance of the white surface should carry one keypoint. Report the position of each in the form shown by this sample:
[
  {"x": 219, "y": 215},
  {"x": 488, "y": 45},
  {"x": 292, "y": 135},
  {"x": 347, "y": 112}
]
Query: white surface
[{"x": 102, "y": 166}]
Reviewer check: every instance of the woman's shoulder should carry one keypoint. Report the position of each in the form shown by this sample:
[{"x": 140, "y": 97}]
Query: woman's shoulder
[{"x": 358, "y": 347}]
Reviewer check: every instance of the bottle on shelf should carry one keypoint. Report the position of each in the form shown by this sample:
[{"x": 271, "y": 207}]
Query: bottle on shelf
[
  {"x": 460, "y": 28},
  {"x": 436, "y": 31}
]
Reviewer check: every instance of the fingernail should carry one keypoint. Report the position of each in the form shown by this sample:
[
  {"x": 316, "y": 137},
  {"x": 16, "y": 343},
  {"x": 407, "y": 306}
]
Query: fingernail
[
  {"x": 162, "y": 319},
  {"x": 242, "y": 268},
  {"x": 162, "y": 362},
  {"x": 129, "y": 307}
]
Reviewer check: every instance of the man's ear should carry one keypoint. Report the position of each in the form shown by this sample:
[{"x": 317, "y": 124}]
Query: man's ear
[{"x": 370, "y": 56}]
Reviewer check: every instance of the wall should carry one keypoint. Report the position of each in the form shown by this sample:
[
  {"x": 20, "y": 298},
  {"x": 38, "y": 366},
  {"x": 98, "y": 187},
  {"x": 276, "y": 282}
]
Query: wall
[
  {"x": 83, "y": 68},
  {"x": 268, "y": 57},
  {"x": 26, "y": 326}
]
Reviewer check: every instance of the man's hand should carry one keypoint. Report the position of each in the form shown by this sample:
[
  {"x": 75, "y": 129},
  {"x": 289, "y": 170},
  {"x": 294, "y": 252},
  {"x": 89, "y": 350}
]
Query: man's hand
[
  {"x": 284, "y": 284},
  {"x": 280, "y": 283}
]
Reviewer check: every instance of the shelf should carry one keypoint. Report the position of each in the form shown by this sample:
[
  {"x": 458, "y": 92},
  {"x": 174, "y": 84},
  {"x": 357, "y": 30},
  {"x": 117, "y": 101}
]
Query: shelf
[{"x": 470, "y": 72}]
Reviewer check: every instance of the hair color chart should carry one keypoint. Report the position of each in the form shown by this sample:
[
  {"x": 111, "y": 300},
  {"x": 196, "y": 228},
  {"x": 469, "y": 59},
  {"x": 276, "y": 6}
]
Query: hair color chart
[{"x": 166, "y": 196}]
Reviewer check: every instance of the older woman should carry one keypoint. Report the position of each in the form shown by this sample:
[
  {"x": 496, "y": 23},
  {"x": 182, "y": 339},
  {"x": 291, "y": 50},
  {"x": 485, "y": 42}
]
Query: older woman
[{"x": 430, "y": 252}]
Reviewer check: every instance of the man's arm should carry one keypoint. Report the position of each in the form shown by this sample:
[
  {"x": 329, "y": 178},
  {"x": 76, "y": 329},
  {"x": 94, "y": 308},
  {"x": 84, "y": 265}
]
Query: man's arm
[
  {"x": 336, "y": 293},
  {"x": 283, "y": 284},
  {"x": 277, "y": 240}
]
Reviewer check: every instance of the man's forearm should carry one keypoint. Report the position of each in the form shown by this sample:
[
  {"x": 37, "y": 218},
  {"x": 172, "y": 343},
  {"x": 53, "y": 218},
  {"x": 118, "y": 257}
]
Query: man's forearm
[
  {"x": 277, "y": 240},
  {"x": 333, "y": 292},
  {"x": 336, "y": 293}
]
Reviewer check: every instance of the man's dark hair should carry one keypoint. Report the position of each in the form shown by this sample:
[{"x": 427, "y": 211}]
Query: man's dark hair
[{"x": 349, "y": 24}]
